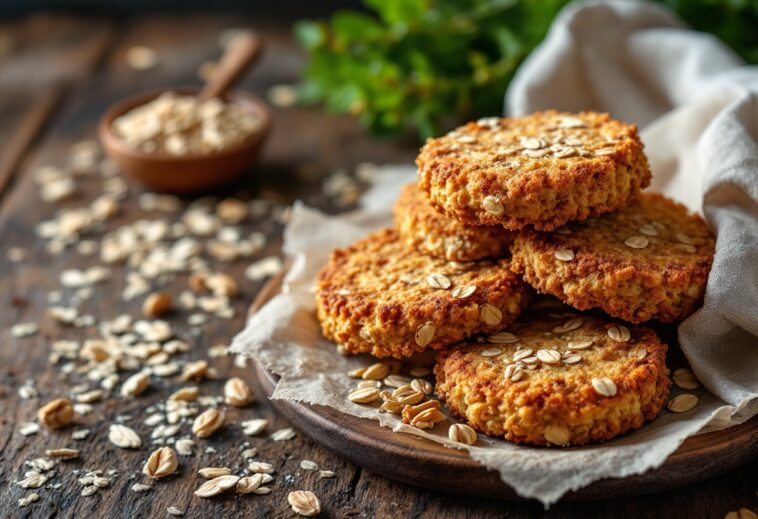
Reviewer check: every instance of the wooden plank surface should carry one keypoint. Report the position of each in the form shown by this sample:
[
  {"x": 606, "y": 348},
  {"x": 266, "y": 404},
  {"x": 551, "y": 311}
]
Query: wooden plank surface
[{"x": 306, "y": 145}]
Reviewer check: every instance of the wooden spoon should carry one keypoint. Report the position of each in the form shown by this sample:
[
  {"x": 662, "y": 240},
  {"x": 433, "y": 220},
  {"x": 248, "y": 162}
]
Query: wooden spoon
[{"x": 243, "y": 51}]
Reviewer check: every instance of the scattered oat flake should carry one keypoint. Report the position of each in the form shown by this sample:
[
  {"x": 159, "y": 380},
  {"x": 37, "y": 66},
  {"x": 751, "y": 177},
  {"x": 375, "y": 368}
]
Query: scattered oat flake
[
  {"x": 141, "y": 487},
  {"x": 141, "y": 57},
  {"x": 326, "y": 474},
  {"x": 124, "y": 437},
  {"x": 308, "y": 465},
  {"x": 283, "y": 434},
  {"x": 264, "y": 268},
  {"x": 172, "y": 510},
  {"x": 22, "y": 330},
  {"x": 29, "y": 428},
  {"x": 304, "y": 503},
  {"x": 682, "y": 403},
  {"x": 254, "y": 427},
  {"x": 216, "y": 486},
  {"x": 27, "y": 500}
]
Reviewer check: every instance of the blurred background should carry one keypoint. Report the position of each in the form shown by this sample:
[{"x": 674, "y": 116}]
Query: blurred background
[{"x": 398, "y": 66}]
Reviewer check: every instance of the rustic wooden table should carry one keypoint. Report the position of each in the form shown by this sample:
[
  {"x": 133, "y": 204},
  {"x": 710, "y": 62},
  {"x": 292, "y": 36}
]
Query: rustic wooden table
[{"x": 57, "y": 75}]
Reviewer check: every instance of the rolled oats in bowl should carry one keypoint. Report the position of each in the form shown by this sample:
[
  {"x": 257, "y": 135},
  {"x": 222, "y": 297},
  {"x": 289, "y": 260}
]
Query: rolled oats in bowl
[{"x": 186, "y": 125}]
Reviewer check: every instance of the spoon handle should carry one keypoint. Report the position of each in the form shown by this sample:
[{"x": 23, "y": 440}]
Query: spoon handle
[{"x": 243, "y": 51}]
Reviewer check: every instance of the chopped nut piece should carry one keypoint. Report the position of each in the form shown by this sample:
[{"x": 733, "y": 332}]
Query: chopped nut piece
[{"x": 156, "y": 304}]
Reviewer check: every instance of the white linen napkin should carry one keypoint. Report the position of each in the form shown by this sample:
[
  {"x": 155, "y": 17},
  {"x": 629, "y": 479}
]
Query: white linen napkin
[{"x": 697, "y": 106}]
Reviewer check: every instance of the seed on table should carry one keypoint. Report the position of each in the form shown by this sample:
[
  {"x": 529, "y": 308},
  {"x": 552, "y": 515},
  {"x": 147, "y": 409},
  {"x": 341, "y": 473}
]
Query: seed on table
[
  {"x": 222, "y": 285},
  {"x": 685, "y": 379},
  {"x": 396, "y": 380},
  {"x": 195, "y": 370},
  {"x": 261, "y": 467},
  {"x": 237, "y": 393},
  {"x": 364, "y": 395},
  {"x": 207, "y": 423},
  {"x": 135, "y": 385},
  {"x": 423, "y": 386},
  {"x": 304, "y": 503},
  {"x": 161, "y": 463},
  {"x": 63, "y": 453},
  {"x": 407, "y": 395},
  {"x": 216, "y": 486},
  {"x": 56, "y": 413},
  {"x": 462, "y": 433},
  {"x": 156, "y": 304},
  {"x": 309, "y": 465},
  {"x": 249, "y": 484},
  {"x": 376, "y": 371},
  {"x": 682, "y": 403},
  {"x": 185, "y": 394},
  {"x": 214, "y": 472},
  {"x": 124, "y": 437}
]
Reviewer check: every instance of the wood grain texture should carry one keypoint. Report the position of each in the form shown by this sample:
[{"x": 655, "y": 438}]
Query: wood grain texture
[{"x": 304, "y": 147}]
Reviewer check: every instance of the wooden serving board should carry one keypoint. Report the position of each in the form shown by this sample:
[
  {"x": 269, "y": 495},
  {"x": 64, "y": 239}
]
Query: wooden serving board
[{"x": 416, "y": 461}]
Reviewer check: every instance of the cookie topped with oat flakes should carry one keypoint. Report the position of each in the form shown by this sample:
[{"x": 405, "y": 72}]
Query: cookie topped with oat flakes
[
  {"x": 559, "y": 378},
  {"x": 543, "y": 169},
  {"x": 382, "y": 297},
  {"x": 648, "y": 260},
  {"x": 431, "y": 232}
]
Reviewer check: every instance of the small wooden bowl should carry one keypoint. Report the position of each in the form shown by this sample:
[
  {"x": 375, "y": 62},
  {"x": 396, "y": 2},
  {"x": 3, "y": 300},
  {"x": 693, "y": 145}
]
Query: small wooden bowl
[{"x": 191, "y": 173}]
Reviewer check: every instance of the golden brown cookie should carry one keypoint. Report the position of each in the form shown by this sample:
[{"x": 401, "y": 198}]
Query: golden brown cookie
[
  {"x": 429, "y": 231},
  {"x": 557, "y": 379},
  {"x": 380, "y": 296},
  {"x": 545, "y": 169},
  {"x": 649, "y": 260}
]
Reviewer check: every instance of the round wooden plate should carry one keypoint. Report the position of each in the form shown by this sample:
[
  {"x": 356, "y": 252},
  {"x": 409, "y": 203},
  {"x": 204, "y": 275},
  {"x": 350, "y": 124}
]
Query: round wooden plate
[{"x": 416, "y": 461}]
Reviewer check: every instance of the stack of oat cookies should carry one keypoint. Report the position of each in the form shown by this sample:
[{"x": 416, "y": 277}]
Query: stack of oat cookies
[{"x": 553, "y": 202}]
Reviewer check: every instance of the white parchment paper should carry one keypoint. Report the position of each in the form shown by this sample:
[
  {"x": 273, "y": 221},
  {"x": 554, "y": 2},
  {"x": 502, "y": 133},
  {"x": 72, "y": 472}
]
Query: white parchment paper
[{"x": 699, "y": 111}]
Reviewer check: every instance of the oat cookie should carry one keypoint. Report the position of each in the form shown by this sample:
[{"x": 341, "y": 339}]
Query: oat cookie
[
  {"x": 557, "y": 379},
  {"x": 429, "y": 231},
  {"x": 649, "y": 260},
  {"x": 382, "y": 297},
  {"x": 544, "y": 169}
]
